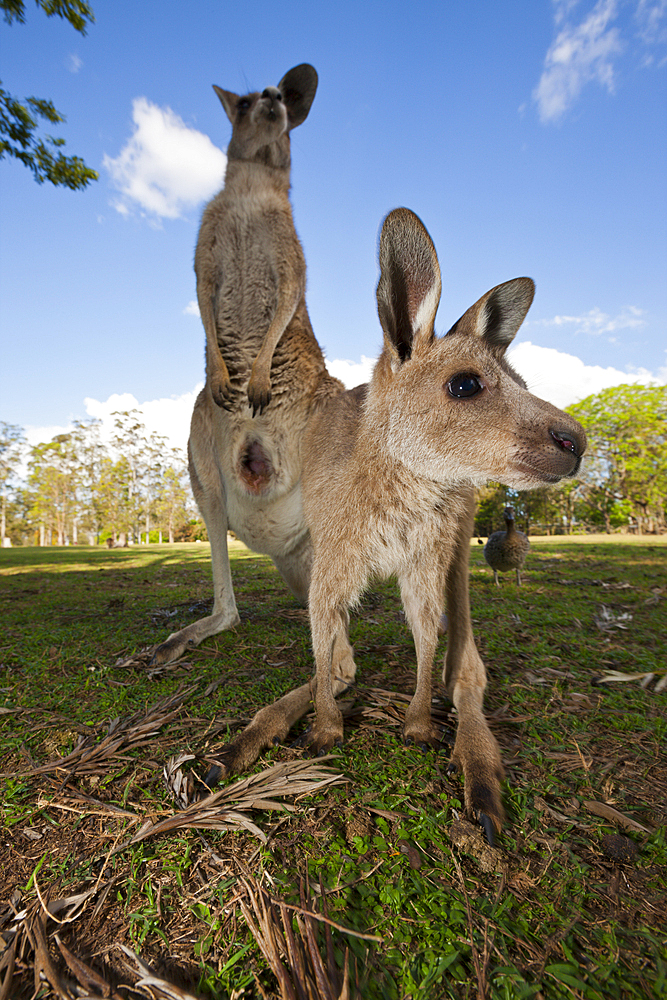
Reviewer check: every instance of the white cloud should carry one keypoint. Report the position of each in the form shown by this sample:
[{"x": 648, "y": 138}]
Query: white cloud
[
  {"x": 192, "y": 308},
  {"x": 563, "y": 379},
  {"x": 352, "y": 373},
  {"x": 41, "y": 434},
  {"x": 596, "y": 322},
  {"x": 166, "y": 167},
  {"x": 560, "y": 378},
  {"x": 168, "y": 416},
  {"x": 651, "y": 16},
  {"x": 580, "y": 54},
  {"x": 586, "y": 52},
  {"x": 74, "y": 63}
]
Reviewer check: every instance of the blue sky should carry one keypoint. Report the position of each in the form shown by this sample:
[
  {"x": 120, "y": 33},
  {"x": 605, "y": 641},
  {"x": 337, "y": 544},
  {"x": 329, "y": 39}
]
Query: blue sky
[{"x": 530, "y": 136}]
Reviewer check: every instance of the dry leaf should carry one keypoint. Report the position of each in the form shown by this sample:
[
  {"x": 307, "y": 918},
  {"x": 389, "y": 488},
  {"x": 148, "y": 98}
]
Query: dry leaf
[
  {"x": 156, "y": 987},
  {"x": 608, "y": 812},
  {"x": 92, "y": 755},
  {"x": 227, "y": 808},
  {"x": 606, "y": 619}
]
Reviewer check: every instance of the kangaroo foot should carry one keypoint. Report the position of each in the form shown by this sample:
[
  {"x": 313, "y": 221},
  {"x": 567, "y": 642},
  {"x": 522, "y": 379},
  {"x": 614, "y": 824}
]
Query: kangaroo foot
[
  {"x": 240, "y": 754},
  {"x": 320, "y": 740},
  {"x": 482, "y": 771},
  {"x": 189, "y": 637},
  {"x": 426, "y": 737},
  {"x": 269, "y": 727},
  {"x": 171, "y": 649}
]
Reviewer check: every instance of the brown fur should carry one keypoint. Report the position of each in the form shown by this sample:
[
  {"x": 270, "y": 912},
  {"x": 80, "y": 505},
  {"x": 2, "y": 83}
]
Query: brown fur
[
  {"x": 389, "y": 470},
  {"x": 388, "y": 487},
  {"x": 245, "y": 465}
]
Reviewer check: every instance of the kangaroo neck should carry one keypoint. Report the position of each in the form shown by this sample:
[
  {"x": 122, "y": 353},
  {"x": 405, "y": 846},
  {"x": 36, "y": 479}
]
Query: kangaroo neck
[
  {"x": 384, "y": 472},
  {"x": 246, "y": 175}
]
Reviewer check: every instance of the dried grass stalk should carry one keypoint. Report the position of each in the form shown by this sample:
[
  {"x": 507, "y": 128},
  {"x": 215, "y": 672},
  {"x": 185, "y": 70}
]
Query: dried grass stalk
[
  {"x": 93, "y": 756},
  {"x": 227, "y": 808},
  {"x": 295, "y": 959},
  {"x": 156, "y": 987}
]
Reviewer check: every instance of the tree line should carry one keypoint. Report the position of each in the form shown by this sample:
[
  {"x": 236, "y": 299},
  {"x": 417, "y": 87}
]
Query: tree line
[
  {"x": 622, "y": 485},
  {"x": 79, "y": 488},
  {"x": 134, "y": 488}
]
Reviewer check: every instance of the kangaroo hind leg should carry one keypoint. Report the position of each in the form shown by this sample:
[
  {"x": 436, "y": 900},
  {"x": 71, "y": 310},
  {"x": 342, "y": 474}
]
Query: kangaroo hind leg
[{"x": 476, "y": 753}]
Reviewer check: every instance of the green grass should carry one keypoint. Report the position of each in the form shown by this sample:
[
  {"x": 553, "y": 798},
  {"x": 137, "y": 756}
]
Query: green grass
[{"x": 569, "y": 904}]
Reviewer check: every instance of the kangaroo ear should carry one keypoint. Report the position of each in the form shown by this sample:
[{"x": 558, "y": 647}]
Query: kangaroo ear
[
  {"x": 228, "y": 100},
  {"x": 497, "y": 316},
  {"x": 298, "y": 88},
  {"x": 408, "y": 292}
]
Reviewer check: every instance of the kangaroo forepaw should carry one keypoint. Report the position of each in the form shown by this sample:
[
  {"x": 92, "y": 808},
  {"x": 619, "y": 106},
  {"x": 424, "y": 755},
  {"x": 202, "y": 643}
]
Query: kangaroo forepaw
[
  {"x": 422, "y": 733},
  {"x": 259, "y": 395},
  {"x": 223, "y": 393}
]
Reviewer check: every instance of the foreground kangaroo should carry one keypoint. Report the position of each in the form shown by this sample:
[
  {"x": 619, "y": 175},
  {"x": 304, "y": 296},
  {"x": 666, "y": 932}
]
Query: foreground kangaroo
[
  {"x": 389, "y": 470},
  {"x": 245, "y": 466}
]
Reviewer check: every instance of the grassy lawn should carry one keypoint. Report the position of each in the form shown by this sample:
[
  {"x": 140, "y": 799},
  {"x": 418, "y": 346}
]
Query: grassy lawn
[{"x": 294, "y": 876}]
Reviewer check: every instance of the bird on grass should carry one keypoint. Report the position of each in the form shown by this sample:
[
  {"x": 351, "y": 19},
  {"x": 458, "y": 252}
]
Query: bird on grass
[{"x": 507, "y": 550}]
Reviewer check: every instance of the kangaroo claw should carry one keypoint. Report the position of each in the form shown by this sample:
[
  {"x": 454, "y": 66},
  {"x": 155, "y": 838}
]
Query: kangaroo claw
[
  {"x": 258, "y": 398},
  {"x": 301, "y": 741},
  {"x": 487, "y": 825},
  {"x": 215, "y": 773},
  {"x": 317, "y": 745},
  {"x": 223, "y": 394},
  {"x": 409, "y": 741}
]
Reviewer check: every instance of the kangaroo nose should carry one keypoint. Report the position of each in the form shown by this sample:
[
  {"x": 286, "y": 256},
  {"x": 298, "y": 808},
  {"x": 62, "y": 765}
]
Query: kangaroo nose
[
  {"x": 273, "y": 93},
  {"x": 569, "y": 441}
]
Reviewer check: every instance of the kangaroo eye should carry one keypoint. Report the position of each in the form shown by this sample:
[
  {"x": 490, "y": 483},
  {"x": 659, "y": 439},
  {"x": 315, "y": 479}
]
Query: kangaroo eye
[
  {"x": 464, "y": 385},
  {"x": 243, "y": 104}
]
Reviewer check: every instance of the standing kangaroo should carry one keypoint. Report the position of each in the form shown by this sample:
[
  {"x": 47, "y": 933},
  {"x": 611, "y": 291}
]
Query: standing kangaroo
[
  {"x": 388, "y": 477},
  {"x": 389, "y": 471},
  {"x": 261, "y": 353}
]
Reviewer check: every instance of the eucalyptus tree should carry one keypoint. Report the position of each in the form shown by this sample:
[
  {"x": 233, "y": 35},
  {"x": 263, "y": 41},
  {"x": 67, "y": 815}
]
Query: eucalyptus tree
[
  {"x": 626, "y": 460},
  {"x": 53, "y": 479},
  {"x": 91, "y": 452},
  {"x": 12, "y": 444},
  {"x": 172, "y": 506},
  {"x": 129, "y": 442}
]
